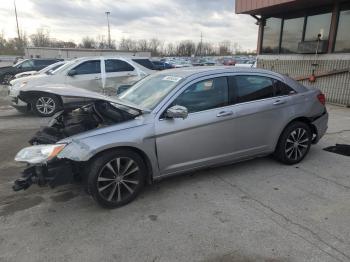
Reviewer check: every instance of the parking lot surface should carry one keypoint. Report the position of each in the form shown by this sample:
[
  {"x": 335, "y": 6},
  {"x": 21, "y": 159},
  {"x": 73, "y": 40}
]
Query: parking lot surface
[{"x": 258, "y": 210}]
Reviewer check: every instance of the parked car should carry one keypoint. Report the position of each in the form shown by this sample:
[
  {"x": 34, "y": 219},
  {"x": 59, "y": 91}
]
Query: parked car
[
  {"x": 45, "y": 70},
  {"x": 160, "y": 65},
  {"x": 247, "y": 63},
  {"x": 174, "y": 122},
  {"x": 86, "y": 73},
  {"x": 7, "y": 73},
  {"x": 227, "y": 61},
  {"x": 203, "y": 62}
]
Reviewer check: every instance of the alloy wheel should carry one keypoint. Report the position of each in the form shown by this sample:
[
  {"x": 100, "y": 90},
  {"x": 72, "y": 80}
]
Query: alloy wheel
[
  {"x": 297, "y": 144},
  {"x": 45, "y": 105},
  {"x": 118, "y": 179}
]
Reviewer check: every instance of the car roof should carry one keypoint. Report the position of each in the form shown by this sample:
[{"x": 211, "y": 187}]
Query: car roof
[
  {"x": 196, "y": 72},
  {"x": 205, "y": 70}
]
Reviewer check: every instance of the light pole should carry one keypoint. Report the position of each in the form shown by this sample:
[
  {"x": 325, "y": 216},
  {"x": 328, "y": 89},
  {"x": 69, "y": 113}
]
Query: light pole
[
  {"x": 109, "y": 30},
  {"x": 19, "y": 35}
]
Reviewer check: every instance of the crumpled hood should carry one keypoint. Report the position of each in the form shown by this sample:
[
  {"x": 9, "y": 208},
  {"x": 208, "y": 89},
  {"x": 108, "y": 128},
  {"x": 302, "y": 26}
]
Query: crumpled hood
[{"x": 30, "y": 79}]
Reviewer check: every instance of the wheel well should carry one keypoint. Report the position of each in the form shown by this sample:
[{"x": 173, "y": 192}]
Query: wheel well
[
  {"x": 304, "y": 120},
  {"x": 136, "y": 150},
  {"x": 29, "y": 96}
]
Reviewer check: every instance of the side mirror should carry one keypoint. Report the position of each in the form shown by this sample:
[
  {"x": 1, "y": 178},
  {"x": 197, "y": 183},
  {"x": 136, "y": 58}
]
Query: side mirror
[
  {"x": 177, "y": 112},
  {"x": 72, "y": 72}
]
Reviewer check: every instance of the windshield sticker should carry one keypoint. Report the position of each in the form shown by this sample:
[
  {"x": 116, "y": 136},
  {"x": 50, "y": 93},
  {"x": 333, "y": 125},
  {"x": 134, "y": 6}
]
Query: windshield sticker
[{"x": 172, "y": 78}]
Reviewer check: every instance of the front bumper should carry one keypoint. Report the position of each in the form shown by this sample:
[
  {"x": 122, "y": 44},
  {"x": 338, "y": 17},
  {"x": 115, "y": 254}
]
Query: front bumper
[
  {"x": 19, "y": 104},
  {"x": 53, "y": 174}
]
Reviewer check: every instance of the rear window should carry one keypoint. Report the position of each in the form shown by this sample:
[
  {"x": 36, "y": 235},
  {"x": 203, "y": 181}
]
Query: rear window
[
  {"x": 44, "y": 62},
  {"x": 144, "y": 62}
]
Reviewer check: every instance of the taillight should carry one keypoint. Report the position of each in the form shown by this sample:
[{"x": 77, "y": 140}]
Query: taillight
[{"x": 322, "y": 98}]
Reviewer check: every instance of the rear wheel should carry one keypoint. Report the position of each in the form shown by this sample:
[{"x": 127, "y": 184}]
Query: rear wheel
[
  {"x": 116, "y": 178},
  {"x": 45, "y": 105},
  {"x": 294, "y": 143}
]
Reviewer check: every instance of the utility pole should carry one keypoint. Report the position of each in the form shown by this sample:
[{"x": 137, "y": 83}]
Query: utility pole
[
  {"x": 109, "y": 30},
  {"x": 19, "y": 35}
]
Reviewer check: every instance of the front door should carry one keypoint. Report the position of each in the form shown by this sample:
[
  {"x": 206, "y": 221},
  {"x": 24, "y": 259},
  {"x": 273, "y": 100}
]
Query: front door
[
  {"x": 200, "y": 139},
  {"x": 87, "y": 76}
]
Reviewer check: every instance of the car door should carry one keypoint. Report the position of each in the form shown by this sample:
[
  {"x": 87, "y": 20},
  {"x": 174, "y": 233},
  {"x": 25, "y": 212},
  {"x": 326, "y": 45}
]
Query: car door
[
  {"x": 259, "y": 113},
  {"x": 119, "y": 73},
  {"x": 86, "y": 75},
  {"x": 201, "y": 138}
]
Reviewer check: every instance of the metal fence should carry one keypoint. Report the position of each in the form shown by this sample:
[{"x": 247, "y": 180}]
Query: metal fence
[{"x": 336, "y": 86}]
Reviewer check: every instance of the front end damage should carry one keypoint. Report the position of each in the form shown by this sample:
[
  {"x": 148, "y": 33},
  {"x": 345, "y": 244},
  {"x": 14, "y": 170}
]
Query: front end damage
[
  {"x": 52, "y": 174},
  {"x": 45, "y": 166}
]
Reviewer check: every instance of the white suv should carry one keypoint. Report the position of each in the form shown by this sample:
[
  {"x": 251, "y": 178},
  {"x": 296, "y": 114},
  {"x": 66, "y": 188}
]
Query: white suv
[{"x": 107, "y": 75}]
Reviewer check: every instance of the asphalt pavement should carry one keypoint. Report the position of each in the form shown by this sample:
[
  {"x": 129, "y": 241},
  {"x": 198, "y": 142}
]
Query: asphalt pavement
[{"x": 258, "y": 210}]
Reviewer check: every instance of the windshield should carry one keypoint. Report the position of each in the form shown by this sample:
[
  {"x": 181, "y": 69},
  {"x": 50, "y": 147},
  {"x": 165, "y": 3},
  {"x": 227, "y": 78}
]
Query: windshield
[
  {"x": 150, "y": 91},
  {"x": 49, "y": 69},
  {"x": 63, "y": 67}
]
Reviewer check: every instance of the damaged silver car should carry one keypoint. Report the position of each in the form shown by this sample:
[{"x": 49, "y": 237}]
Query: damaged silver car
[{"x": 171, "y": 123}]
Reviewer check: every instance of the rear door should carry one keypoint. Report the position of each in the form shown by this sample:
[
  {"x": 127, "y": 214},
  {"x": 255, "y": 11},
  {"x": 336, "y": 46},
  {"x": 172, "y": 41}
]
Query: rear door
[
  {"x": 119, "y": 73},
  {"x": 259, "y": 112},
  {"x": 88, "y": 76}
]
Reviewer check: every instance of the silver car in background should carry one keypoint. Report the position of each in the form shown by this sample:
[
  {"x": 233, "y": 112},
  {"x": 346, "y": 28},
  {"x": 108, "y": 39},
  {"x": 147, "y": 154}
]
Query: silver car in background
[{"x": 174, "y": 122}]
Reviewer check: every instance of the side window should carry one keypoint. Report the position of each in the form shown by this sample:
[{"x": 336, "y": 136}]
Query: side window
[
  {"x": 114, "y": 65},
  {"x": 26, "y": 64},
  {"x": 204, "y": 95},
  {"x": 43, "y": 62},
  {"x": 282, "y": 89},
  {"x": 249, "y": 88},
  {"x": 88, "y": 67}
]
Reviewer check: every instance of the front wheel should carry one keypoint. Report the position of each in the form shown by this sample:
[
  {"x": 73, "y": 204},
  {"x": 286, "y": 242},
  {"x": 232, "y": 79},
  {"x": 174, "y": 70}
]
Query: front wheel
[
  {"x": 116, "y": 178},
  {"x": 294, "y": 143},
  {"x": 45, "y": 105}
]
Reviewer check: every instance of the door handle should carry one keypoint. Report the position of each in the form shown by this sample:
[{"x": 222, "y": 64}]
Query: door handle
[
  {"x": 224, "y": 113},
  {"x": 279, "y": 102},
  {"x": 97, "y": 78}
]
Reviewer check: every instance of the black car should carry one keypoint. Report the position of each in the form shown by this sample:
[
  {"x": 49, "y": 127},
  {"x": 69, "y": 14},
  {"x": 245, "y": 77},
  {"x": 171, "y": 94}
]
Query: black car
[{"x": 8, "y": 72}]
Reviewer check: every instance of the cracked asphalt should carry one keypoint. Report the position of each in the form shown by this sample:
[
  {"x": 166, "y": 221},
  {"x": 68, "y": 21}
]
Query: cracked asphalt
[{"x": 257, "y": 210}]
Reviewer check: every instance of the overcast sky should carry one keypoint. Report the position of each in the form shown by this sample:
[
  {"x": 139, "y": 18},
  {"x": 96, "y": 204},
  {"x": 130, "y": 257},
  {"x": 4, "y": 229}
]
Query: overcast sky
[{"x": 168, "y": 20}]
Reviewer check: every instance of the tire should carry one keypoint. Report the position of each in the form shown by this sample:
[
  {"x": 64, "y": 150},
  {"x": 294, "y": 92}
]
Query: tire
[
  {"x": 294, "y": 143},
  {"x": 116, "y": 178},
  {"x": 45, "y": 105}
]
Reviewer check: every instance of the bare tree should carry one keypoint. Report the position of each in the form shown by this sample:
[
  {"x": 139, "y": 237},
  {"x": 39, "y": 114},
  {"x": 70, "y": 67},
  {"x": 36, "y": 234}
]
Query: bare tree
[
  {"x": 41, "y": 38},
  {"x": 224, "y": 48},
  {"x": 186, "y": 48},
  {"x": 87, "y": 42},
  {"x": 142, "y": 45},
  {"x": 128, "y": 44},
  {"x": 155, "y": 46}
]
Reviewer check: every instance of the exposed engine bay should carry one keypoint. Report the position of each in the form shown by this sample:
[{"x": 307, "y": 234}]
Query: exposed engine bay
[{"x": 71, "y": 122}]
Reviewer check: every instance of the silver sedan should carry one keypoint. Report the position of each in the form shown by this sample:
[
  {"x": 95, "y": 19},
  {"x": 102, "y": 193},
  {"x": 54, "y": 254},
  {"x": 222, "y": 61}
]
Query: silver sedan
[{"x": 170, "y": 123}]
